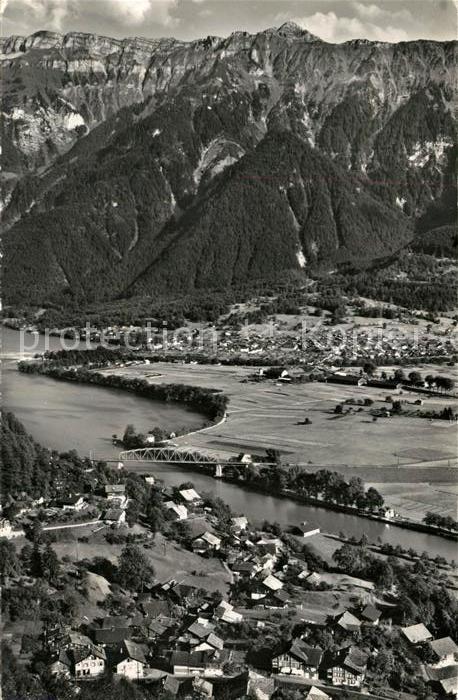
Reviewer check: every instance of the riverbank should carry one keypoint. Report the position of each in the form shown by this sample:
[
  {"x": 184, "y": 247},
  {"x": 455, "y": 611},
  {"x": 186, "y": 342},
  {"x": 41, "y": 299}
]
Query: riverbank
[{"x": 301, "y": 499}]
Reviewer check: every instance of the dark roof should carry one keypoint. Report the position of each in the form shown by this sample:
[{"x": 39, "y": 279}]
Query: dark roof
[
  {"x": 178, "y": 686},
  {"x": 111, "y": 636},
  {"x": 371, "y": 613},
  {"x": 154, "y": 608},
  {"x": 199, "y": 631},
  {"x": 351, "y": 658},
  {"x": 281, "y": 595},
  {"x": 115, "y": 622},
  {"x": 78, "y": 655},
  {"x": 131, "y": 650},
  {"x": 310, "y": 656},
  {"x": 189, "y": 658}
]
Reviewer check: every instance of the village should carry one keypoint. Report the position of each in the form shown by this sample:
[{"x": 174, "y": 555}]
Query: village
[{"x": 251, "y": 610}]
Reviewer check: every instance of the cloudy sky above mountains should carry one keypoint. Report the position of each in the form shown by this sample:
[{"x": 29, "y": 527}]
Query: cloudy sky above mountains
[{"x": 332, "y": 20}]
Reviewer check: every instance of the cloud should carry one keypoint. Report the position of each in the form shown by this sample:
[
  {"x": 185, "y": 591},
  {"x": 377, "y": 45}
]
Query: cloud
[
  {"x": 58, "y": 15},
  {"x": 376, "y": 13},
  {"x": 337, "y": 29}
]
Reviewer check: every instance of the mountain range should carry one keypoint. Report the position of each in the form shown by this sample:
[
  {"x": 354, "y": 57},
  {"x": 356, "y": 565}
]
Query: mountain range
[{"x": 158, "y": 167}]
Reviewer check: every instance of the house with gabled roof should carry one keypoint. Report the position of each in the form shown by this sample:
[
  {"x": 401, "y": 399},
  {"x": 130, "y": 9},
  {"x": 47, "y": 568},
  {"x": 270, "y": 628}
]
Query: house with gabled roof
[
  {"x": 348, "y": 622},
  {"x": 298, "y": 659},
  {"x": 128, "y": 660},
  {"x": 370, "y": 615},
  {"x": 347, "y": 667},
  {"x": 417, "y": 634},
  {"x": 445, "y": 650},
  {"x": 190, "y": 497},
  {"x": 88, "y": 662},
  {"x": 206, "y": 542},
  {"x": 176, "y": 511},
  {"x": 316, "y": 693},
  {"x": 272, "y": 583}
]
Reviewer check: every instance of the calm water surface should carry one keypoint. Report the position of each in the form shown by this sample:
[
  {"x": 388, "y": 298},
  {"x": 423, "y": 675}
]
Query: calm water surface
[{"x": 62, "y": 415}]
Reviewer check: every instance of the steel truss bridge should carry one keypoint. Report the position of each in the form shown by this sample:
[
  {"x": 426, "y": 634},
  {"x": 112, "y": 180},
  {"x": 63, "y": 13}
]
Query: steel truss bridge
[
  {"x": 171, "y": 455},
  {"x": 166, "y": 454}
]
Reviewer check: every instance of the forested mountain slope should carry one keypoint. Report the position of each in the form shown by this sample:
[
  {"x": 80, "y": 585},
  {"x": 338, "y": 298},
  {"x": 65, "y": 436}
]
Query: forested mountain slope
[{"x": 148, "y": 166}]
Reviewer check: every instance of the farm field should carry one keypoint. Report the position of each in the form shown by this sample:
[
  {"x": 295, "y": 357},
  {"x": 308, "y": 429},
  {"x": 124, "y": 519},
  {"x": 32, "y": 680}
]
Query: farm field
[{"x": 264, "y": 414}]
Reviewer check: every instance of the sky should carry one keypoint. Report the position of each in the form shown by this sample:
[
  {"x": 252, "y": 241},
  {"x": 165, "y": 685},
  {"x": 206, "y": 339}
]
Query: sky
[{"x": 331, "y": 20}]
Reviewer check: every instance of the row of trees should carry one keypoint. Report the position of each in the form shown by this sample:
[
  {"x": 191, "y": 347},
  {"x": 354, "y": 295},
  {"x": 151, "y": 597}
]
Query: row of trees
[
  {"x": 323, "y": 484},
  {"x": 207, "y": 401},
  {"x": 445, "y": 521}
]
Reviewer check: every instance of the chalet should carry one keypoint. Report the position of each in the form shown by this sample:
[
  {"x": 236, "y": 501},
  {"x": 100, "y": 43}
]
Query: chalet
[
  {"x": 370, "y": 615},
  {"x": 115, "y": 516},
  {"x": 194, "y": 663},
  {"x": 244, "y": 569},
  {"x": 176, "y": 511},
  {"x": 61, "y": 639},
  {"x": 178, "y": 687},
  {"x": 226, "y": 613},
  {"x": 209, "y": 643},
  {"x": 190, "y": 497},
  {"x": 155, "y": 607},
  {"x": 128, "y": 660},
  {"x": 348, "y": 667},
  {"x": 449, "y": 686},
  {"x": 278, "y": 599},
  {"x": 88, "y": 662},
  {"x": 317, "y": 694},
  {"x": 75, "y": 503},
  {"x": 223, "y": 688},
  {"x": 240, "y": 523},
  {"x": 305, "y": 530},
  {"x": 348, "y": 622},
  {"x": 206, "y": 542},
  {"x": 445, "y": 650},
  {"x": 107, "y": 637},
  {"x": 61, "y": 665},
  {"x": 272, "y": 583},
  {"x": 115, "y": 491},
  {"x": 313, "y": 578},
  {"x": 417, "y": 634},
  {"x": 298, "y": 659}
]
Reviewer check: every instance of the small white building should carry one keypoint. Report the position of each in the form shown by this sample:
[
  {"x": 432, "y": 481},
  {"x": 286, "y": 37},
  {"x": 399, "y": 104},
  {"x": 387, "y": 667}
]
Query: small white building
[
  {"x": 176, "y": 511},
  {"x": 88, "y": 662},
  {"x": 6, "y": 530},
  {"x": 129, "y": 661}
]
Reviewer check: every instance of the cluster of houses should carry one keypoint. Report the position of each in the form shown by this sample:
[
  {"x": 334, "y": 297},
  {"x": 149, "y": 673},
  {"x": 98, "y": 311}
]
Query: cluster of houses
[
  {"x": 108, "y": 507},
  {"x": 441, "y": 667},
  {"x": 178, "y": 634}
]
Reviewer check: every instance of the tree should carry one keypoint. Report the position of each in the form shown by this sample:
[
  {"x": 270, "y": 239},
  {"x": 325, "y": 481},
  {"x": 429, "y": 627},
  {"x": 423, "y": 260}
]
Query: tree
[
  {"x": 448, "y": 384},
  {"x": 373, "y": 498},
  {"x": 415, "y": 378},
  {"x": 132, "y": 513},
  {"x": 338, "y": 409},
  {"x": 9, "y": 562},
  {"x": 134, "y": 569},
  {"x": 50, "y": 564},
  {"x": 369, "y": 368},
  {"x": 399, "y": 375}
]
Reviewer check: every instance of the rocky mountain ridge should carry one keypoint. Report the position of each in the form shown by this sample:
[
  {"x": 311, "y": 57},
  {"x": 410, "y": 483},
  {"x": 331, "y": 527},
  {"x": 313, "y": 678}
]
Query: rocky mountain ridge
[{"x": 148, "y": 137}]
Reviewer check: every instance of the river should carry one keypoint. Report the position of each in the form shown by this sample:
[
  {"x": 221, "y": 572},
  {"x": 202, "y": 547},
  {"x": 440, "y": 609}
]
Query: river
[{"x": 63, "y": 415}]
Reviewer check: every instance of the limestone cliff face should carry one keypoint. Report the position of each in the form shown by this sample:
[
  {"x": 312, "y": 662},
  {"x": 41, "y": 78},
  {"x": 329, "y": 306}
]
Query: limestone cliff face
[{"x": 145, "y": 138}]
